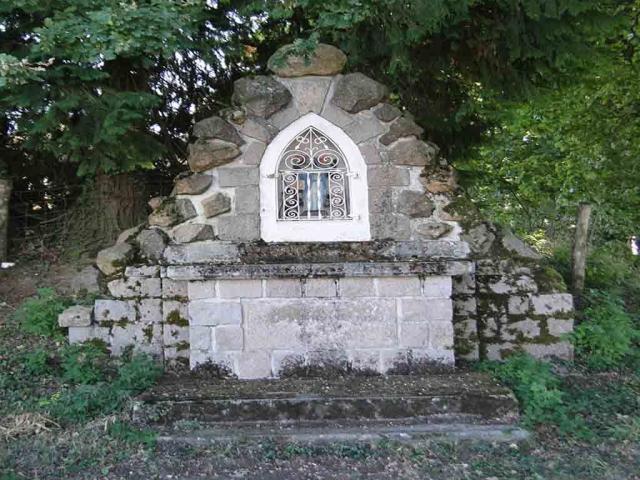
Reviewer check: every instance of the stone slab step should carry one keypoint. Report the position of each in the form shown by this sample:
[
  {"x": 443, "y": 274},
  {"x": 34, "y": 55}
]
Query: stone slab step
[
  {"x": 473, "y": 397},
  {"x": 351, "y": 432}
]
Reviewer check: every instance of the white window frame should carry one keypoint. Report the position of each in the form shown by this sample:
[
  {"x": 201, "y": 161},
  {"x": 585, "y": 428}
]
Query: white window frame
[{"x": 274, "y": 230}]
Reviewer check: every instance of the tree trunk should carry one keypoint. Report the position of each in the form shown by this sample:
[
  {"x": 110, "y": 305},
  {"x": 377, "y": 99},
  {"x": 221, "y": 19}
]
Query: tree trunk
[
  {"x": 5, "y": 196},
  {"x": 580, "y": 248},
  {"x": 110, "y": 205}
]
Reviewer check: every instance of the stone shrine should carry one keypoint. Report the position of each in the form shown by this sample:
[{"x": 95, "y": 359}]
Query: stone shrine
[{"x": 316, "y": 227}]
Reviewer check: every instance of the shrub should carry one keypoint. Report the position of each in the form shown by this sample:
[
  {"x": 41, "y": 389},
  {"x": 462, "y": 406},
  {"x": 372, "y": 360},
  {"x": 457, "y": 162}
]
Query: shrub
[
  {"x": 37, "y": 363},
  {"x": 39, "y": 315},
  {"x": 607, "y": 334},
  {"x": 85, "y": 363},
  {"x": 536, "y": 387}
]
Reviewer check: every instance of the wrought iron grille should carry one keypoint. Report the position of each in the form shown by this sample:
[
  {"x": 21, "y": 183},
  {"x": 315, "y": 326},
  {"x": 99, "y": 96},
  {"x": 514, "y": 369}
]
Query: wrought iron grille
[{"x": 313, "y": 179}]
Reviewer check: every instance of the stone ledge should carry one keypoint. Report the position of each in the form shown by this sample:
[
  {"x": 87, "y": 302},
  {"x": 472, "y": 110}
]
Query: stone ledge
[{"x": 293, "y": 270}]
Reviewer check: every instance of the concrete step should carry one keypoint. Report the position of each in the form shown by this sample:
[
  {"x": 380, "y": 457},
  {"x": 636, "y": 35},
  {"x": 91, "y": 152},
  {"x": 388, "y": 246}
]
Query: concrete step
[
  {"x": 452, "y": 398},
  {"x": 343, "y": 432}
]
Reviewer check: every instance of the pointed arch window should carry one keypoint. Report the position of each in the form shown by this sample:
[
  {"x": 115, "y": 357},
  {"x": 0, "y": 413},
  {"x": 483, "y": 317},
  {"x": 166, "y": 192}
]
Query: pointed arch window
[{"x": 313, "y": 179}]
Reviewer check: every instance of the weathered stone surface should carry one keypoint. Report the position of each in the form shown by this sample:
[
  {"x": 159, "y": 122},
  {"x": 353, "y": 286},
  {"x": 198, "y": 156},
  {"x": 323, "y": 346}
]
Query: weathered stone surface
[
  {"x": 431, "y": 230},
  {"x": 217, "y": 128},
  {"x": 320, "y": 287},
  {"x": 210, "y": 153},
  {"x": 82, "y": 334},
  {"x": 155, "y": 202},
  {"x": 364, "y": 127},
  {"x": 193, "y": 232},
  {"x": 325, "y": 60},
  {"x": 426, "y": 309},
  {"x": 519, "y": 305},
  {"x": 112, "y": 260},
  {"x": 249, "y": 288},
  {"x": 135, "y": 287},
  {"x": 215, "y": 312},
  {"x": 517, "y": 246},
  {"x": 283, "y": 288},
  {"x": 200, "y": 338},
  {"x": 308, "y": 93},
  {"x": 142, "y": 271},
  {"x": 357, "y": 287},
  {"x": 370, "y": 153},
  {"x": 397, "y": 227},
  {"x": 229, "y": 337},
  {"x": 185, "y": 209},
  {"x": 387, "y": 175},
  {"x": 387, "y": 112},
  {"x": 201, "y": 290},
  {"x": 216, "y": 204},
  {"x": 193, "y": 184},
  {"x": 247, "y": 200},
  {"x": 173, "y": 288},
  {"x": 253, "y": 364},
  {"x": 238, "y": 176},
  {"x": 283, "y": 118},
  {"x": 562, "y": 350},
  {"x": 559, "y": 326},
  {"x": 243, "y": 228},
  {"x": 381, "y": 200},
  {"x": 398, "y": 286},
  {"x": 152, "y": 243},
  {"x": 258, "y": 129},
  {"x": 437, "y": 287},
  {"x": 414, "y": 204},
  {"x": 411, "y": 152},
  {"x": 480, "y": 238},
  {"x": 110, "y": 311},
  {"x": 261, "y": 96},
  {"x": 401, "y": 127},
  {"x": 528, "y": 329},
  {"x": 552, "y": 303},
  {"x": 209, "y": 251},
  {"x": 355, "y": 92},
  {"x": 76, "y": 316},
  {"x": 85, "y": 281},
  {"x": 252, "y": 154},
  {"x": 130, "y": 233}
]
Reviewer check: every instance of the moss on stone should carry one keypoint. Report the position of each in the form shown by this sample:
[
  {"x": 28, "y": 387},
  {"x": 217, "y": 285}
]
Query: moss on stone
[
  {"x": 182, "y": 346},
  {"x": 549, "y": 280},
  {"x": 148, "y": 333},
  {"x": 174, "y": 318}
]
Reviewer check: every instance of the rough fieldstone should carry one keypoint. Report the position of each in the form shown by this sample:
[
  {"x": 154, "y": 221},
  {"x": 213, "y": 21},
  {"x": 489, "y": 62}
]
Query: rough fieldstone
[
  {"x": 261, "y": 96},
  {"x": 129, "y": 234},
  {"x": 355, "y": 92},
  {"x": 152, "y": 243},
  {"x": 76, "y": 316},
  {"x": 185, "y": 209},
  {"x": 401, "y": 127},
  {"x": 218, "y": 128},
  {"x": 480, "y": 238},
  {"x": 432, "y": 230},
  {"x": 370, "y": 153},
  {"x": 210, "y": 153},
  {"x": 252, "y": 154},
  {"x": 517, "y": 246},
  {"x": 193, "y": 232},
  {"x": 308, "y": 93},
  {"x": 325, "y": 60},
  {"x": 387, "y": 112},
  {"x": 414, "y": 204},
  {"x": 411, "y": 152},
  {"x": 396, "y": 227},
  {"x": 155, "y": 202},
  {"x": 193, "y": 184},
  {"x": 85, "y": 281},
  {"x": 364, "y": 127},
  {"x": 166, "y": 215},
  {"x": 216, "y": 204},
  {"x": 259, "y": 129},
  {"x": 112, "y": 260},
  {"x": 380, "y": 200}
]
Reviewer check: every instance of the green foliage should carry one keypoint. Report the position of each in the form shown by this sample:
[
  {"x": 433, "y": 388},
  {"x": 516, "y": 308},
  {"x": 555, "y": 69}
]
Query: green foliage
[
  {"x": 125, "y": 433},
  {"x": 85, "y": 401},
  {"x": 39, "y": 315},
  {"x": 607, "y": 334},
  {"x": 536, "y": 387},
  {"x": 84, "y": 363},
  {"x": 38, "y": 362}
]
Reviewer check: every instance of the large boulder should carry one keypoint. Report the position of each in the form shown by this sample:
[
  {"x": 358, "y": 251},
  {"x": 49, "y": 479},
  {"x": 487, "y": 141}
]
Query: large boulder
[
  {"x": 355, "y": 92},
  {"x": 193, "y": 184},
  {"x": 261, "y": 96},
  {"x": 152, "y": 243},
  {"x": 411, "y": 152},
  {"x": 113, "y": 260},
  {"x": 216, "y": 127},
  {"x": 206, "y": 154},
  {"x": 171, "y": 212},
  {"x": 401, "y": 127},
  {"x": 325, "y": 60}
]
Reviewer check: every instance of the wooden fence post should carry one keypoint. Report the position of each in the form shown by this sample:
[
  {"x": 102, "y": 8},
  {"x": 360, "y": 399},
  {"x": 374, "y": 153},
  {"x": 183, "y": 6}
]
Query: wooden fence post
[
  {"x": 580, "y": 248},
  {"x": 5, "y": 196}
]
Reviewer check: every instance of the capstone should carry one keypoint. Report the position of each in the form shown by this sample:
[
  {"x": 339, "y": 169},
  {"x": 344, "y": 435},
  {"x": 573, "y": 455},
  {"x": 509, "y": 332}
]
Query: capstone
[
  {"x": 325, "y": 60},
  {"x": 356, "y": 92}
]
